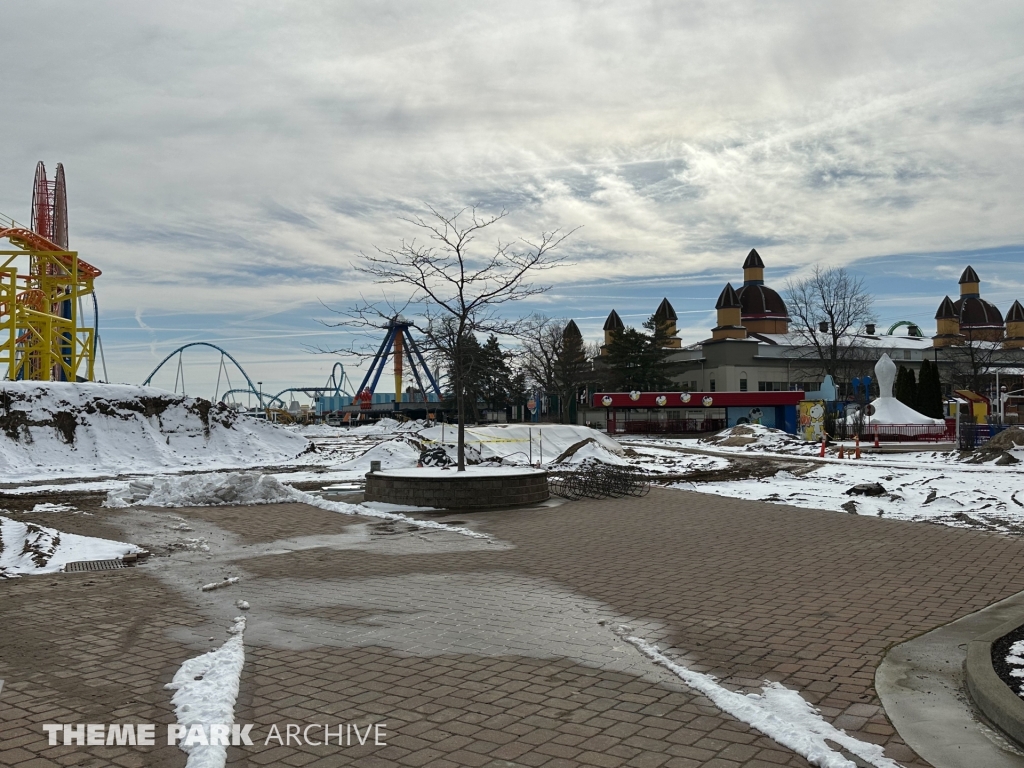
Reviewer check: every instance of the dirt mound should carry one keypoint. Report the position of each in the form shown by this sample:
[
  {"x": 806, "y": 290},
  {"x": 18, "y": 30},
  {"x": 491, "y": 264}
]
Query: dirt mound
[
  {"x": 998, "y": 448},
  {"x": 1007, "y": 440},
  {"x": 50, "y": 429}
]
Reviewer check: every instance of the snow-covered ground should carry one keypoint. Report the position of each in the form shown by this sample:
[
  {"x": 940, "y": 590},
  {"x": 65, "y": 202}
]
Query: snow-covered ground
[
  {"x": 927, "y": 485},
  {"x": 59, "y": 429},
  {"x": 992, "y": 499},
  {"x": 147, "y": 435}
]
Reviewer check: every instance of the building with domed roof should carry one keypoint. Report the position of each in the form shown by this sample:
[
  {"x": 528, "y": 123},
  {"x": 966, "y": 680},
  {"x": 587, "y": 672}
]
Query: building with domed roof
[
  {"x": 762, "y": 309},
  {"x": 755, "y": 347},
  {"x": 969, "y": 318}
]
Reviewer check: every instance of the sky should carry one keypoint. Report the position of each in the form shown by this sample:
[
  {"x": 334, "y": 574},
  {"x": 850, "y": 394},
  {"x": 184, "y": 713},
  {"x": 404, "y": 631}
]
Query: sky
[{"x": 227, "y": 163}]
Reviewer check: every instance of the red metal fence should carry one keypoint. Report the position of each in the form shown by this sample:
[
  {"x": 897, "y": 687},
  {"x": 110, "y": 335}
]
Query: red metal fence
[
  {"x": 664, "y": 426},
  {"x": 898, "y": 433}
]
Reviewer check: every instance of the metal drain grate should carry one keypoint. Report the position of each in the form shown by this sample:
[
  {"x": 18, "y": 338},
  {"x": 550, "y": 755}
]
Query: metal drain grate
[{"x": 95, "y": 565}]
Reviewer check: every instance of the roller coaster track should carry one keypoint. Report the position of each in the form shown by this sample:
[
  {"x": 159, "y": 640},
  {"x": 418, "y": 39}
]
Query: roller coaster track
[
  {"x": 179, "y": 350},
  {"x": 335, "y": 383}
]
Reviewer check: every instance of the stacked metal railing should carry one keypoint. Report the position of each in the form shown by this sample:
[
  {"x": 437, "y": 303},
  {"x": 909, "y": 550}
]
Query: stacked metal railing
[{"x": 599, "y": 481}]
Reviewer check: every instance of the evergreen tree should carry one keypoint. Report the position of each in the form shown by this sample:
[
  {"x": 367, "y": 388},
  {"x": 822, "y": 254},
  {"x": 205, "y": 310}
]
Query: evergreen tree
[
  {"x": 639, "y": 361},
  {"x": 929, "y": 391},
  {"x": 470, "y": 365},
  {"x": 494, "y": 375},
  {"x": 906, "y": 387},
  {"x": 572, "y": 369}
]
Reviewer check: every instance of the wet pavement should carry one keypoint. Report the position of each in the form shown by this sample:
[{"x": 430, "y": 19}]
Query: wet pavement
[{"x": 489, "y": 653}]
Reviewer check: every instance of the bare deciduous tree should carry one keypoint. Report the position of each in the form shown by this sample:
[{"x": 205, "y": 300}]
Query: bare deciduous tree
[
  {"x": 541, "y": 342},
  {"x": 971, "y": 363},
  {"x": 827, "y": 309},
  {"x": 449, "y": 289}
]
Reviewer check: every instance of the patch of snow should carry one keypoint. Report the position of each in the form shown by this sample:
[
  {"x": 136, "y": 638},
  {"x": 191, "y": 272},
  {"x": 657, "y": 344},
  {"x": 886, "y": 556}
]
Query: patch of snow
[
  {"x": 391, "y": 454},
  {"x": 360, "y": 509},
  {"x": 518, "y": 443},
  {"x": 1015, "y": 659},
  {"x": 47, "y": 506},
  {"x": 205, "y": 689},
  {"x": 383, "y": 506},
  {"x": 594, "y": 452},
  {"x": 759, "y": 438},
  {"x": 778, "y": 712},
  {"x": 219, "y": 584},
  {"x": 30, "y": 549},
  {"x": 246, "y": 488}
]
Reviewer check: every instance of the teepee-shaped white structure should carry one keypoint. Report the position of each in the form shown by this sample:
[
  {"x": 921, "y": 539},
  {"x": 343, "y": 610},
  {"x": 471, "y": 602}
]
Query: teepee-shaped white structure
[{"x": 889, "y": 410}]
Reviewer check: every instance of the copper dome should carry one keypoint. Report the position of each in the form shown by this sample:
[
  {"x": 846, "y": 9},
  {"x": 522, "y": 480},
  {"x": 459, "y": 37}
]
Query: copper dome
[
  {"x": 760, "y": 301},
  {"x": 975, "y": 312}
]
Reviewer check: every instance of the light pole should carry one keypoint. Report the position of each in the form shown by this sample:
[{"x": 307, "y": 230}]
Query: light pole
[{"x": 260, "y": 396}]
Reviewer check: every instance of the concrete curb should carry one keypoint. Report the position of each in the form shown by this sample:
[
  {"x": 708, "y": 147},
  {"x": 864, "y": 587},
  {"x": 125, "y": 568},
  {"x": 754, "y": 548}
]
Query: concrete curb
[{"x": 992, "y": 696}]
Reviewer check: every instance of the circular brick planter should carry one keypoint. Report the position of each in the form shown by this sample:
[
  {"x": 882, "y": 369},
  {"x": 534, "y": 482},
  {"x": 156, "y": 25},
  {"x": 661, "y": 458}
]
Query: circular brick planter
[
  {"x": 476, "y": 488},
  {"x": 992, "y": 696}
]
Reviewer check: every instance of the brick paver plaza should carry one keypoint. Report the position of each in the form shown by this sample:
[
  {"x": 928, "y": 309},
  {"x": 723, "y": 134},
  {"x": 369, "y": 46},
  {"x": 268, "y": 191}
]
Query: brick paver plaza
[{"x": 491, "y": 654}]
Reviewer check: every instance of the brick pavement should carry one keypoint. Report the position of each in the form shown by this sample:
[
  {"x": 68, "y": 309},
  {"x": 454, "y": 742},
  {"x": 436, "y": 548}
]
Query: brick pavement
[{"x": 425, "y": 640}]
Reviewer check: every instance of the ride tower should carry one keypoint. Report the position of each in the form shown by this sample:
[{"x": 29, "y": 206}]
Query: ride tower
[
  {"x": 398, "y": 343},
  {"x": 42, "y": 285}
]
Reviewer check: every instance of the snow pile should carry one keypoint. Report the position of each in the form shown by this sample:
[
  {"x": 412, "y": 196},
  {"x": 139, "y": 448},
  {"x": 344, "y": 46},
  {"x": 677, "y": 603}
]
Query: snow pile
[
  {"x": 589, "y": 451},
  {"x": 388, "y": 426},
  {"x": 759, "y": 438},
  {"x": 1006, "y": 448},
  {"x": 778, "y": 712},
  {"x": 518, "y": 443},
  {"x": 392, "y": 454},
  {"x": 205, "y": 689},
  {"x": 210, "y": 490},
  {"x": 27, "y": 548},
  {"x": 49, "y": 428}
]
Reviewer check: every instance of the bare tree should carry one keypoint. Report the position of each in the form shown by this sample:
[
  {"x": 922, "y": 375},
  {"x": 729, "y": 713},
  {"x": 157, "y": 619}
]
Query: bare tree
[
  {"x": 541, "y": 346},
  {"x": 973, "y": 361},
  {"x": 452, "y": 290},
  {"x": 827, "y": 309}
]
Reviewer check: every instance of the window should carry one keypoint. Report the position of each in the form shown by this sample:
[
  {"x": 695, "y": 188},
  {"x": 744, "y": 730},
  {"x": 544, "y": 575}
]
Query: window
[
  {"x": 743, "y": 385},
  {"x": 712, "y": 387}
]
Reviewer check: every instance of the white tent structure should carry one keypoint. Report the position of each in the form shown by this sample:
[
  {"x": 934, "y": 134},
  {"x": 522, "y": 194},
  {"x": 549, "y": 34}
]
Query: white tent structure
[{"x": 887, "y": 410}]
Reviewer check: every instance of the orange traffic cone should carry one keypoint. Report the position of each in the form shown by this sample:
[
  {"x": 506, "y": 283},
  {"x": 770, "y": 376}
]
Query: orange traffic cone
[
  {"x": 876, "y": 437},
  {"x": 841, "y": 456},
  {"x": 821, "y": 453}
]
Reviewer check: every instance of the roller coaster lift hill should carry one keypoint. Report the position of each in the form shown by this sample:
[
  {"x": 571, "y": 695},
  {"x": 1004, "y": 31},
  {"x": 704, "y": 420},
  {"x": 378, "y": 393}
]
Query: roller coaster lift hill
[{"x": 42, "y": 336}]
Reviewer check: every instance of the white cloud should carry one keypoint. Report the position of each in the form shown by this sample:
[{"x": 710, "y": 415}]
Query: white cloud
[{"x": 234, "y": 158}]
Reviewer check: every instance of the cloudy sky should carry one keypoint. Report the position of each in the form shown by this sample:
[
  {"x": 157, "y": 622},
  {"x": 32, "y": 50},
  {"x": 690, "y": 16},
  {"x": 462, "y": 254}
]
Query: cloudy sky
[{"x": 226, "y": 162}]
